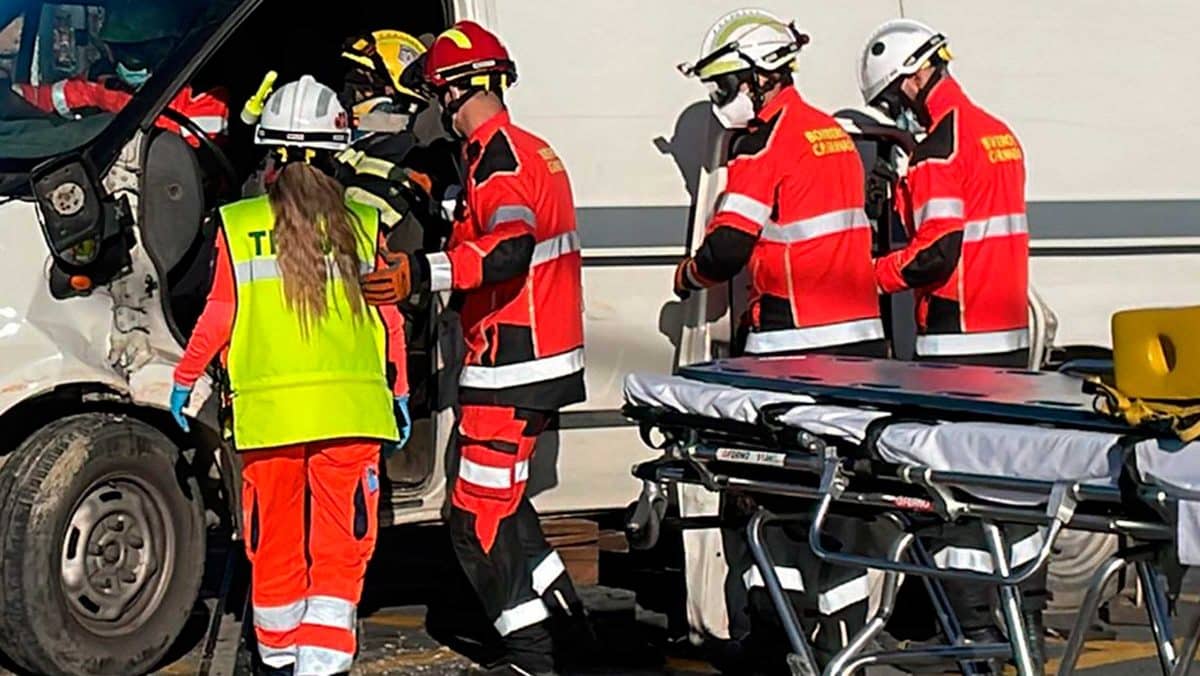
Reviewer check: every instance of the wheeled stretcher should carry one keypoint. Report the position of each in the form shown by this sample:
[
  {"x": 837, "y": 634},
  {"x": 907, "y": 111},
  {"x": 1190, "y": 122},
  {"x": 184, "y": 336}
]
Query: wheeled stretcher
[{"x": 914, "y": 443}]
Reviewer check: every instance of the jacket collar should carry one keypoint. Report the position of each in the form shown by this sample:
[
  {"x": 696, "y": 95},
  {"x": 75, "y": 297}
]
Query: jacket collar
[
  {"x": 493, "y": 123},
  {"x": 938, "y": 99},
  {"x": 785, "y": 97}
]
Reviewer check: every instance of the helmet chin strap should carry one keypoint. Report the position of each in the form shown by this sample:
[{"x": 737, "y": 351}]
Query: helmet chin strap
[{"x": 451, "y": 109}]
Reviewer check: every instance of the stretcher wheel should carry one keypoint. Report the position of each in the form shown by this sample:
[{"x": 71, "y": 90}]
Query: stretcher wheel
[
  {"x": 102, "y": 539},
  {"x": 643, "y": 519}
]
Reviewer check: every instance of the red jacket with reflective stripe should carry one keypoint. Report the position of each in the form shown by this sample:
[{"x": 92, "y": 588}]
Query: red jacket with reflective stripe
[
  {"x": 209, "y": 110},
  {"x": 514, "y": 255},
  {"x": 968, "y": 259},
  {"x": 793, "y": 212}
]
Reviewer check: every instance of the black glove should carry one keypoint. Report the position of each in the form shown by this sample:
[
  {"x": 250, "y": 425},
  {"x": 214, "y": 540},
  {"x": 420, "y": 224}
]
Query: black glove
[{"x": 879, "y": 183}]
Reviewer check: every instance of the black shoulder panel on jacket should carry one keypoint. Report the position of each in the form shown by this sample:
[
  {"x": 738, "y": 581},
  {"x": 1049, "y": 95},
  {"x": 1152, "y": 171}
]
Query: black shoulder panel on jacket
[
  {"x": 752, "y": 142},
  {"x": 497, "y": 157},
  {"x": 940, "y": 143}
]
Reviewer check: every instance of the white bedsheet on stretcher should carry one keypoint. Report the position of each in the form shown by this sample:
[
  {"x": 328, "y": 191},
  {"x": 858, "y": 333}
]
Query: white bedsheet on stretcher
[{"x": 983, "y": 448}]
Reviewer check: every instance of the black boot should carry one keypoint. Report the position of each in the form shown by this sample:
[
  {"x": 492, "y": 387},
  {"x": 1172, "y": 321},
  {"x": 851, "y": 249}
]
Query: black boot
[{"x": 1035, "y": 631}]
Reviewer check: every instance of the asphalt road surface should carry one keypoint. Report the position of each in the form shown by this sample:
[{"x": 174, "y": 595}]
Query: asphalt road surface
[{"x": 417, "y": 617}]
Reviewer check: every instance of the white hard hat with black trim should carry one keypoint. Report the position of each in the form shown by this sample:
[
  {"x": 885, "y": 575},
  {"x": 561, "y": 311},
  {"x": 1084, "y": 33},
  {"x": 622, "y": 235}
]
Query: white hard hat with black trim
[
  {"x": 304, "y": 114},
  {"x": 898, "y": 48},
  {"x": 743, "y": 41}
]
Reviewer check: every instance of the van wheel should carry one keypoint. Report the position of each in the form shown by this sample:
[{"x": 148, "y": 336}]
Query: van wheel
[
  {"x": 101, "y": 547},
  {"x": 1076, "y": 558}
]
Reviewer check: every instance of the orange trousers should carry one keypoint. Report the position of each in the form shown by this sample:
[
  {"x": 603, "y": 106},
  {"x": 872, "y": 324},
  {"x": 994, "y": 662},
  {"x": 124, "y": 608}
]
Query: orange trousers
[{"x": 311, "y": 517}]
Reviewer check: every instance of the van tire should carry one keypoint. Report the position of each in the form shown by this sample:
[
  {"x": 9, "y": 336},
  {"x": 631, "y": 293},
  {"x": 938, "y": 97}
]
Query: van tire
[
  {"x": 1076, "y": 558},
  {"x": 102, "y": 547}
]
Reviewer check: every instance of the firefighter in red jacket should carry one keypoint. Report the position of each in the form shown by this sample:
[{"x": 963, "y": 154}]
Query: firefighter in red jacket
[
  {"x": 963, "y": 200},
  {"x": 792, "y": 210},
  {"x": 514, "y": 259},
  {"x": 137, "y": 35}
]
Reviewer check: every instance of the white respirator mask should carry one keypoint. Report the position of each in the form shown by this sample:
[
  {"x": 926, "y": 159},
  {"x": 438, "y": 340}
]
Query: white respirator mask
[{"x": 737, "y": 113}]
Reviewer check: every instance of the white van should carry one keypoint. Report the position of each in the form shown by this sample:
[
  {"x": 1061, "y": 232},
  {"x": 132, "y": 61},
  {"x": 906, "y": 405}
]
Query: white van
[{"x": 104, "y": 241}]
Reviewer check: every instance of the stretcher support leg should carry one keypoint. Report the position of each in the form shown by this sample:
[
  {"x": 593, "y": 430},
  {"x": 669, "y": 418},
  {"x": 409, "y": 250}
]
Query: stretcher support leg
[
  {"x": 1010, "y": 603},
  {"x": 891, "y": 588},
  {"x": 1183, "y": 663},
  {"x": 1160, "y": 616},
  {"x": 1087, "y": 611},
  {"x": 802, "y": 659}
]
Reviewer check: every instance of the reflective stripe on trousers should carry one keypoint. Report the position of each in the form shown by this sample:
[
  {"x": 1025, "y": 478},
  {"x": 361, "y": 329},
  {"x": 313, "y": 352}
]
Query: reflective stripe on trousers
[
  {"x": 980, "y": 560},
  {"x": 958, "y": 344},
  {"x": 811, "y": 338},
  {"x": 829, "y": 602}
]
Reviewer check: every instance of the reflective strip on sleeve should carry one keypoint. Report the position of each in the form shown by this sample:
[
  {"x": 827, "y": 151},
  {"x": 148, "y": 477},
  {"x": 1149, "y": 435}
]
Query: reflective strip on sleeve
[
  {"x": 387, "y": 213},
  {"x": 744, "y": 206},
  {"x": 546, "y": 572},
  {"x": 844, "y": 595},
  {"x": 441, "y": 273},
  {"x": 956, "y": 344},
  {"x": 525, "y": 615},
  {"x": 330, "y": 611},
  {"x": 522, "y": 373},
  {"x": 521, "y": 471},
  {"x": 279, "y": 618},
  {"x": 789, "y": 578},
  {"x": 373, "y": 166},
  {"x": 511, "y": 212},
  {"x": 818, "y": 226},
  {"x": 485, "y": 476},
  {"x": 58, "y": 97},
  {"x": 939, "y": 207},
  {"x": 809, "y": 338},
  {"x": 315, "y": 661},
  {"x": 996, "y": 226},
  {"x": 555, "y": 247}
]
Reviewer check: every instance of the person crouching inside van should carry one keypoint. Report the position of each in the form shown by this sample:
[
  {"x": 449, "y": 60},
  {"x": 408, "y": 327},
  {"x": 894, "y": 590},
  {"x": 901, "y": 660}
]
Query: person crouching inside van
[{"x": 307, "y": 362}]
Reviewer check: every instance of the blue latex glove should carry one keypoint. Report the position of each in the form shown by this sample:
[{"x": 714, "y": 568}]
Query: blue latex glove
[
  {"x": 179, "y": 399},
  {"x": 404, "y": 422}
]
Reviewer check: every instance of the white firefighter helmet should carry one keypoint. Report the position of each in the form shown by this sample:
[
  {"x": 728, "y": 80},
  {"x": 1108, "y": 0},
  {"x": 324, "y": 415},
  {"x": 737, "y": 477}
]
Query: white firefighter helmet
[
  {"x": 746, "y": 38},
  {"x": 304, "y": 114},
  {"x": 898, "y": 48}
]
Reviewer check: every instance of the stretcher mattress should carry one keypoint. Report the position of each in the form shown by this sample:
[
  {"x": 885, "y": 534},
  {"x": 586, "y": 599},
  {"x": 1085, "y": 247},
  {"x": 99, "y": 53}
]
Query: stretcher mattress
[{"x": 1036, "y": 452}]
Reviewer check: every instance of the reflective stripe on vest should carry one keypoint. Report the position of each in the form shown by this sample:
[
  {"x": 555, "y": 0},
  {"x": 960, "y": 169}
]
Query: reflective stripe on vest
[
  {"x": 829, "y": 223},
  {"x": 814, "y": 337},
  {"x": 292, "y": 386},
  {"x": 959, "y": 344}
]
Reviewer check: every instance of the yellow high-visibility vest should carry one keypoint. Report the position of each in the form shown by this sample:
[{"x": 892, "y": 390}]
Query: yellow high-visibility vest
[{"x": 292, "y": 386}]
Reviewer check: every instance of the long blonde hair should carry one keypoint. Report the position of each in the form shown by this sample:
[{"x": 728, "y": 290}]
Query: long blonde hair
[{"x": 312, "y": 221}]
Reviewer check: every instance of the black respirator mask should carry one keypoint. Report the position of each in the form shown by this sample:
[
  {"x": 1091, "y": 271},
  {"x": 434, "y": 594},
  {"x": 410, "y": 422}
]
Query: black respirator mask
[{"x": 451, "y": 108}]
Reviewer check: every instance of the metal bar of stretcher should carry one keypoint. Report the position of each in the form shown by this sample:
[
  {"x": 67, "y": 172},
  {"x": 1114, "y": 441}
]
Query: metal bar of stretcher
[
  {"x": 1160, "y": 616},
  {"x": 787, "y": 615},
  {"x": 1010, "y": 602},
  {"x": 1087, "y": 611}
]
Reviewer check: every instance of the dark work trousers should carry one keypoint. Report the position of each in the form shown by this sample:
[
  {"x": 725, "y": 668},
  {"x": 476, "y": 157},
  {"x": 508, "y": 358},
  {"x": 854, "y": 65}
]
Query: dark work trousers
[
  {"x": 497, "y": 537},
  {"x": 964, "y": 543}
]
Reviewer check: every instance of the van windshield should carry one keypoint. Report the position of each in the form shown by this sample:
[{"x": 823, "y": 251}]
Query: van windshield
[{"x": 67, "y": 68}]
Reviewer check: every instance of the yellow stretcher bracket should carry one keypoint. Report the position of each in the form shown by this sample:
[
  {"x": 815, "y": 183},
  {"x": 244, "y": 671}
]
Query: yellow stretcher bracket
[{"x": 1156, "y": 353}]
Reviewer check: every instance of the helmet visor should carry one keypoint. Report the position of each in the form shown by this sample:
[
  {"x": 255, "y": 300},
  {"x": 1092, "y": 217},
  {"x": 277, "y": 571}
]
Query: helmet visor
[{"x": 723, "y": 89}]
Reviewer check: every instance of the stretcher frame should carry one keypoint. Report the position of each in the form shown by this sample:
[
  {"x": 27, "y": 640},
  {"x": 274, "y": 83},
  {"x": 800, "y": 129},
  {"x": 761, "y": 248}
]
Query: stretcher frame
[{"x": 815, "y": 472}]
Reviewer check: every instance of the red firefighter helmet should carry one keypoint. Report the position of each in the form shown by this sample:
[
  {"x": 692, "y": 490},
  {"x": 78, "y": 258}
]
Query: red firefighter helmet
[{"x": 469, "y": 56}]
